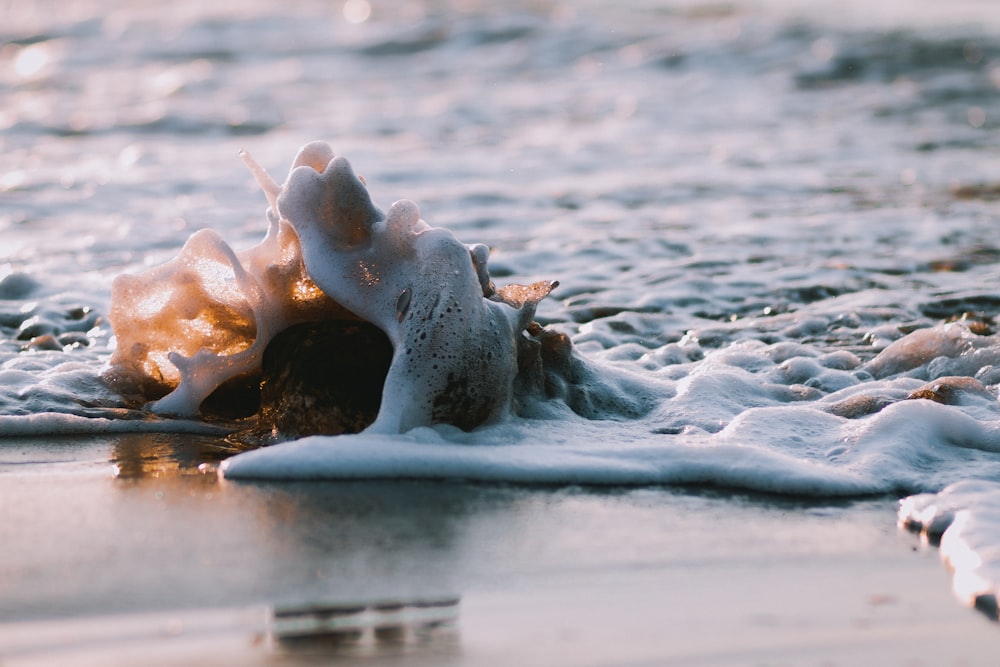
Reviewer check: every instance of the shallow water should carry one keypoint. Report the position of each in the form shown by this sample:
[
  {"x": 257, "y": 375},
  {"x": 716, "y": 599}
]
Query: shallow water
[
  {"x": 125, "y": 550},
  {"x": 744, "y": 205}
]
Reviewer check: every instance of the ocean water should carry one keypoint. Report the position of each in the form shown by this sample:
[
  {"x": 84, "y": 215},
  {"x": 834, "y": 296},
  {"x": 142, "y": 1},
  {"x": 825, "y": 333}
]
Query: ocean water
[{"x": 773, "y": 225}]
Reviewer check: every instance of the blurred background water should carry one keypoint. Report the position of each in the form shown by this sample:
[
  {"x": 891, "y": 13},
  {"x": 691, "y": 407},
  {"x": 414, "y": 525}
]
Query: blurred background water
[
  {"x": 681, "y": 163},
  {"x": 697, "y": 175}
]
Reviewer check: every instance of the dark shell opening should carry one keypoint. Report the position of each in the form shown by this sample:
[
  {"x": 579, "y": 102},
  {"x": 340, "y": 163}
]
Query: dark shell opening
[{"x": 317, "y": 378}]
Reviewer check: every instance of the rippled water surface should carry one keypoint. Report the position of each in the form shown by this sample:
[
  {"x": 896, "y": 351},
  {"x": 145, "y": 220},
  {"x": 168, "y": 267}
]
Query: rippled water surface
[{"x": 744, "y": 203}]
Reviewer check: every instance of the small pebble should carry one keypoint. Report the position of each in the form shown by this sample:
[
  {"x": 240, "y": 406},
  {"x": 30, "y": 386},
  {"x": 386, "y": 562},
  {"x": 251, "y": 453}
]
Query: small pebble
[{"x": 44, "y": 342}]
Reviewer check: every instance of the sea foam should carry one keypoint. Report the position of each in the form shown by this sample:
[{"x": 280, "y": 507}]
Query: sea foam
[{"x": 749, "y": 433}]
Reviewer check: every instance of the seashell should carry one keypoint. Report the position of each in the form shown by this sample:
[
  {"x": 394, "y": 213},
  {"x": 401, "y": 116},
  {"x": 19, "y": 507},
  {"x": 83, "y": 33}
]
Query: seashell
[{"x": 205, "y": 318}]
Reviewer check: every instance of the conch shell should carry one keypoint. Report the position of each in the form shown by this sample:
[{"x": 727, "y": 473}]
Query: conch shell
[{"x": 204, "y": 318}]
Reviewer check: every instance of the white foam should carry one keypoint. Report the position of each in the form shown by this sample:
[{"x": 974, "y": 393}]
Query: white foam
[
  {"x": 781, "y": 448},
  {"x": 56, "y": 423},
  {"x": 427, "y": 454}
]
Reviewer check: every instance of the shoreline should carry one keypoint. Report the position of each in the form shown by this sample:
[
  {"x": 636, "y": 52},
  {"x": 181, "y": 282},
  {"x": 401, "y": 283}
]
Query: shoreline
[{"x": 127, "y": 549}]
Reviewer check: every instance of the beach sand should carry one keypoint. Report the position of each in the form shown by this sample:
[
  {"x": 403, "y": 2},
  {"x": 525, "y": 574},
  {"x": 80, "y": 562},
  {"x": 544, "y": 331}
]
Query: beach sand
[{"x": 130, "y": 550}]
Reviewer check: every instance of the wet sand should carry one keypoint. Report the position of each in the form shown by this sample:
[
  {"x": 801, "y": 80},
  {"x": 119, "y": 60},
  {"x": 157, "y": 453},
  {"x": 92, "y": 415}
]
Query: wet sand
[{"x": 130, "y": 550}]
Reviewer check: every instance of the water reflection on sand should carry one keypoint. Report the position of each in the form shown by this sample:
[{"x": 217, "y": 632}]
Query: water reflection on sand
[{"x": 132, "y": 546}]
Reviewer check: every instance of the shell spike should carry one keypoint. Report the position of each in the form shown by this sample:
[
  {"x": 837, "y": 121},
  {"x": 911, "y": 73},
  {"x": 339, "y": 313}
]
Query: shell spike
[{"x": 264, "y": 181}]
